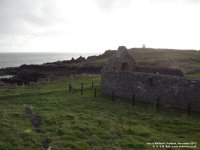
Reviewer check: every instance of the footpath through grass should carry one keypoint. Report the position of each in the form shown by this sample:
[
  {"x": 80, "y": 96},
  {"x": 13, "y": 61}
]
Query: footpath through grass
[{"x": 75, "y": 121}]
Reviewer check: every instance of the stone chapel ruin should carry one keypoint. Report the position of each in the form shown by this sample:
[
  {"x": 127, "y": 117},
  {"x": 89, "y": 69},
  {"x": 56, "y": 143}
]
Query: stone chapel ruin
[{"x": 124, "y": 77}]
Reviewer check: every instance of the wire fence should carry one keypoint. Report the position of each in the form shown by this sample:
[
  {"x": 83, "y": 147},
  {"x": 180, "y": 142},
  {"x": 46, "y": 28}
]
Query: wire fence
[
  {"x": 42, "y": 81},
  {"x": 92, "y": 86},
  {"x": 113, "y": 96}
]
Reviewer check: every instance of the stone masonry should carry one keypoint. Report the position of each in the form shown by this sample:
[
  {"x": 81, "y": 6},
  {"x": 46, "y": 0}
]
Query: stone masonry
[{"x": 123, "y": 76}]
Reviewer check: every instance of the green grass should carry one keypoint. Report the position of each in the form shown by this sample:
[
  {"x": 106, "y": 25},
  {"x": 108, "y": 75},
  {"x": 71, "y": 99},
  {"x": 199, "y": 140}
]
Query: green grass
[
  {"x": 196, "y": 64},
  {"x": 196, "y": 75},
  {"x": 75, "y": 121},
  {"x": 186, "y": 60}
]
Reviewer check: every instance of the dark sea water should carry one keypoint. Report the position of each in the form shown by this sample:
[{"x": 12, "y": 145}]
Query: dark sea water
[{"x": 17, "y": 59}]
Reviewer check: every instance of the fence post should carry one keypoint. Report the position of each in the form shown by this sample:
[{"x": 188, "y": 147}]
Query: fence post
[
  {"x": 112, "y": 96},
  {"x": 81, "y": 88},
  {"x": 133, "y": 100},
  {"x": 189, "y": 108},
  {"x": 69, "y": 87},
  {"x": 23, "y": 84},
  {"x": 95, "y": 92},
  {"x": 157, "y": 104},
  {"x": 92, "y": 85}
]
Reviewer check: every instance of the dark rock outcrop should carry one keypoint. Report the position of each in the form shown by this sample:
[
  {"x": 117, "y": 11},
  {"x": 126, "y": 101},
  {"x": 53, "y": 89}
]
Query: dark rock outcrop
[{"x": 32, "y": 73}]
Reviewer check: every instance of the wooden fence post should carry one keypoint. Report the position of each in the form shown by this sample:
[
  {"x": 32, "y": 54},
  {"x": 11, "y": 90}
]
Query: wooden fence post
[
  {"x": 81, "y": 88},
  {"x": 69, "y": 87},
  {"x": 133, "y": 100},
  {"x": 157, "y": 104},
  {"x": 189, "y": 108},
  {"x": 112, "y": 96},
  {"x": 92, "y": 85},
  {"x": 95, "y": 92}
]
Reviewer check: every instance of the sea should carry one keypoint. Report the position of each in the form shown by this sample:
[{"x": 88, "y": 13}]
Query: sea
[{"x": 17, "y": 59}]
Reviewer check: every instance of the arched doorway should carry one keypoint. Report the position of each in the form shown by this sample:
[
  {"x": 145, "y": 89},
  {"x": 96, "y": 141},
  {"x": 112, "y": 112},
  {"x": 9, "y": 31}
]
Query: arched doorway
[{"x": 125, "y": 67}]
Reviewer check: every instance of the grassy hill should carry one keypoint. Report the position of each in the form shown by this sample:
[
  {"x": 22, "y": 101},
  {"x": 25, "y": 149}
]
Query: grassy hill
[
  {"x": 186, "y": 60},
  {"x": 75, "y": 121}
]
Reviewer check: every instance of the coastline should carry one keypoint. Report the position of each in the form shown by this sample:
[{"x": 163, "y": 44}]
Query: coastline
[
  {"x": 24, "y": 74},
  {"x": 17, "y": 59}
]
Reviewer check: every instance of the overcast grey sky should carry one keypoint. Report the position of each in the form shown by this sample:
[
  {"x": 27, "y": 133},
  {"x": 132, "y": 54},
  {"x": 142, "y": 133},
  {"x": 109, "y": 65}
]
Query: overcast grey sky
[{"x": 96, "y": 25}]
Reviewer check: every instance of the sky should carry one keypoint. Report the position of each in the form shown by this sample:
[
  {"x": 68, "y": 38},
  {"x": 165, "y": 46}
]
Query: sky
[{"x": 93, "y": 26}]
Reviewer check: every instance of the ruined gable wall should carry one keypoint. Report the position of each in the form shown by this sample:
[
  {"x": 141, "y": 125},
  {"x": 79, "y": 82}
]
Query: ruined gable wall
[
  {"x": 122, "y": 60},
  {"x": 173, "y": 91}
]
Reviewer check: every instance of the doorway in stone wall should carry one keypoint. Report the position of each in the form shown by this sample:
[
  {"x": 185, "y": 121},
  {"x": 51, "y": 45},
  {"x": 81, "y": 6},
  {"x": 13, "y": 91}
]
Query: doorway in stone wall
[{"x": 125, "y": 66}]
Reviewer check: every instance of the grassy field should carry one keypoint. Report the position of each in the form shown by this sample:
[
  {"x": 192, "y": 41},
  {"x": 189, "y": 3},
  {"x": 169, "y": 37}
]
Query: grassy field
[
  {"x": 75, "y": 121},
  {"x": 186, "y": 60},
  {"x": 196, "y": 74}
]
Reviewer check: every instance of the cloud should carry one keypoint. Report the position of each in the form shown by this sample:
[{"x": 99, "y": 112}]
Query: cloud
[
  {"x": 193, "y": 1},
  {"x": 181, "y": 1},
  {"x": 19, "y": 17},
  {"x": 77, "y": 25},
  {"x": 110, "y": 4}
]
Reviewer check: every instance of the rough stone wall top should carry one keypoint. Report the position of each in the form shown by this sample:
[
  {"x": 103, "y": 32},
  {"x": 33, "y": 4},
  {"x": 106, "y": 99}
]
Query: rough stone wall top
[
  {"x": 159, "y": 70},
  {"x": 122, "y": 48},
  {"x": 121, "y": 61}
]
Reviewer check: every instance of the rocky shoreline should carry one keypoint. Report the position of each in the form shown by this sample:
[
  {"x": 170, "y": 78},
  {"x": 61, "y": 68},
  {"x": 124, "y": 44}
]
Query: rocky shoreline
[{"x": 25, "y": 74}]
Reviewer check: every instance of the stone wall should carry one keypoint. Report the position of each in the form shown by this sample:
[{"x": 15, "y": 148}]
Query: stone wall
[
  {"x": 121, "y": 60},
  {"x": 173, "y": 91},
  {"x": 159, "y": 70}
]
